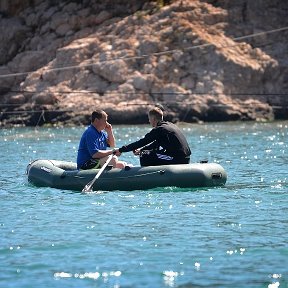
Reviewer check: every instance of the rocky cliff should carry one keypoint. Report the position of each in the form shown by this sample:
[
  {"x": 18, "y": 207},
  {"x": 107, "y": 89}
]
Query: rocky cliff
[{"x": 209, "y": 60}]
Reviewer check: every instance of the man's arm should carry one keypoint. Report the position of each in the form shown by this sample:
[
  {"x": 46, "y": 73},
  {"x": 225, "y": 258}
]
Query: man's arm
[{"x": 148, "y": 139}]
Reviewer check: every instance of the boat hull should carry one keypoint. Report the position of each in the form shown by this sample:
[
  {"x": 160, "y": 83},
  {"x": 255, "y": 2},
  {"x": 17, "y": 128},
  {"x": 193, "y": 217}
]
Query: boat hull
[{"x": 64, "y": 175}]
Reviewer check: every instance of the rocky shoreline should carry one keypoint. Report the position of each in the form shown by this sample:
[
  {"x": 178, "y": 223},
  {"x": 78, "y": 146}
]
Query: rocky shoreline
[{"x": 201, "y": 60}]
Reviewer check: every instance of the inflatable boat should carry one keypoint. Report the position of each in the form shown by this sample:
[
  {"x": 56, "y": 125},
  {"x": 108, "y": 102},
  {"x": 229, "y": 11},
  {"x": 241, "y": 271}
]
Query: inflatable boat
[{"x": 64, "y": 175}]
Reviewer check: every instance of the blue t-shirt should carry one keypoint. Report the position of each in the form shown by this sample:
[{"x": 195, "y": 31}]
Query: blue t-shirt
[{"x": 91, "y": 142}]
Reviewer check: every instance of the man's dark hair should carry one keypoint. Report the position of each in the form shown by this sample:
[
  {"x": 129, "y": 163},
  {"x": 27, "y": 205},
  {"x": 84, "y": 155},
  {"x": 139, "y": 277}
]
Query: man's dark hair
[
  {"x": 157, "y": 113},
  {"x": 97, "y": 114}
]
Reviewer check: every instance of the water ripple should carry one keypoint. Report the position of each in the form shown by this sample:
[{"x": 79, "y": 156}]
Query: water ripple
[{"x": 232, "y": 236}]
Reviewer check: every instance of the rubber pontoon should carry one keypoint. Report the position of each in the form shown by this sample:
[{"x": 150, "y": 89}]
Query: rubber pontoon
[{"x": 64, "y": 175}]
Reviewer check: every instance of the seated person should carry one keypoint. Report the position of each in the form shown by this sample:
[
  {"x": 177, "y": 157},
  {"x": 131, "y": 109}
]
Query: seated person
[
  {"x": 165, "y": 144},
  {"x": 92, "y": 151}
]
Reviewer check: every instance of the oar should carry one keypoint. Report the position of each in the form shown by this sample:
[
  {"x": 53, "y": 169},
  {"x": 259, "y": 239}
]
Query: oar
[{"x": 89, "y": 185}]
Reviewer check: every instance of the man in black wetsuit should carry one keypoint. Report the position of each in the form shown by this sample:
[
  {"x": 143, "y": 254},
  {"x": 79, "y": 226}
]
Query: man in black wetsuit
[{"x": 165, "y": 144}]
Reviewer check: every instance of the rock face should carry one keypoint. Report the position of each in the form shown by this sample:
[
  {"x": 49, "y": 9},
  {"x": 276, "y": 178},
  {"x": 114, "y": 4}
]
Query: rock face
[{"x": 209, "y": 60}]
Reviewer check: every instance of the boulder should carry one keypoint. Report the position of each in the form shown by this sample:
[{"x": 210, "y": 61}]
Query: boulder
[{"x": 203, "y": 60}]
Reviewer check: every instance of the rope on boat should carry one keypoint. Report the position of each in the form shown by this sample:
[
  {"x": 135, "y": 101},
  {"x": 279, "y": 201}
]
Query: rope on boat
[{"x": 161, "y": 172}]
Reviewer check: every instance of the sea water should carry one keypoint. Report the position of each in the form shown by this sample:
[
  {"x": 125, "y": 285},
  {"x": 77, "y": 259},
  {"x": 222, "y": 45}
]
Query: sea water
[{"x": 232, "y": 236}]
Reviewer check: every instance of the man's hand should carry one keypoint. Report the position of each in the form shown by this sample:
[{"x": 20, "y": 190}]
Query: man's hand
[
  {"x": 108, "y": 128},
  {"x": 136, "y": 151},
  {"x": 111, "y": 138},
  {"x": 117, "y": 152}
]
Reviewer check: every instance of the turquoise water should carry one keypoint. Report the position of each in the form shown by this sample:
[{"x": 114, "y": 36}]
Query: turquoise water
[{"x": 234, "y": 236}]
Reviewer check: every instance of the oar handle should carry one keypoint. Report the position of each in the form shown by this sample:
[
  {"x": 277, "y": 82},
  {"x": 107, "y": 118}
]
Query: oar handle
[{"x": 88, "y": 186}]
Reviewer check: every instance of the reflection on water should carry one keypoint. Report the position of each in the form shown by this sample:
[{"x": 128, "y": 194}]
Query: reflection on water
[{"x": 232, "y": 236}]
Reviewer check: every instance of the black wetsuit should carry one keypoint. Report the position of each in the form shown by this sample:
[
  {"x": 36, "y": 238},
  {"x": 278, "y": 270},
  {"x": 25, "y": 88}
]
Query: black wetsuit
[{"x": 165, "y": 144}]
